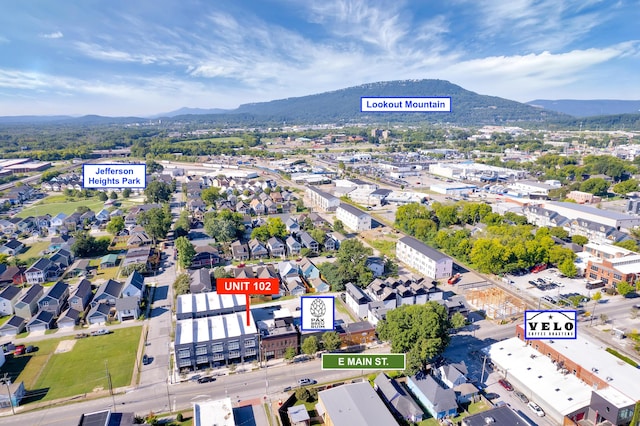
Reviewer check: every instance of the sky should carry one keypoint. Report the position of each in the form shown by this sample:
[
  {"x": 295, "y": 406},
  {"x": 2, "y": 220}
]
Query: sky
[{"x": 144, "y": 57}]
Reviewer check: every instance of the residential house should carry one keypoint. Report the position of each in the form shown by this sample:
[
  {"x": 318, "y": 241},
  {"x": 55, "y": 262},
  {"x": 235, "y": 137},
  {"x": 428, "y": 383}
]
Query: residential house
[
  {"x": 14, "y": 326},
  {"x": 205, "y": 257},
  {"x": 12, "y": 275},
  {"x": 41, "y": 322},
  {"x": 257, "y": 206},
  {"x": 320, "y": 285},
  {"x": 12, "y": 247},
  {"x": 103, "y": 216},
  {"x": 60, "y": 242},
  {"x": 41, "y": 271},
  {"x": 329, "y": 243},
  {"x": 239, "y": 251},
  {"x": 79, "y": 267},
  {"x": 101, "y": 313},
  {"x": 242, "y": 208},
  {"x": 257, "y": 250},
  {"x": 400, "y": 403},
  {"x": 128, "y": 308},
  {"x": 68, "y": 319},
  {"x": 308, "y": 270},
  {"x": 8, "y": 298},
  {"x": 63, "y": 258},
  {"x": 426, "y": 260},
  {"x": 81, "y": 296},
  {"x": 138, "y": 255},
  {"x": 440, "y": 402},
  {"x": 200, "y": 281},
  {"x": 293, "y": 227},
  {"x": 293, "y": 246},
  {"x": 353, "y": 404},
  {"x": 375, "y": 265},
  {"x": 87, "y": 217},
  {"x": 453, "y": 374},
  {"x": 7, "y": 227},
  {"x": 307, "y": 241},
  {"x": 107, "y": 293},
  {"x": 42, "y": 223},
  {"x": 353, "y": 218},
  {"x": 288, "y": 207},
  {"x": 134, "y": 286},
  {"x": 298, "y": 415},
  {"x": 108, "y": 261},
  {"x": 138, "y": 237},
  {"x": 295, "y": 286},
  {"x": 27, "y": 305},
  {"x": 270, "y": 207},
  {"x": 357, "y": 300},
  {"x": 73, "y": 221},
  {"x": 56, "y": 298},
  {"x": 276, "y": 247}
]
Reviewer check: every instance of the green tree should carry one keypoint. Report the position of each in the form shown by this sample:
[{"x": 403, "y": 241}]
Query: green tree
[
  {"x": 86, "y": 245},
  {"x": 289, "y": 353},
  {"x": 559, "y": 232},
  {"x": 338, "y": 226},
  {"x": 595, "y": 186},
  {"x": 576, "y": 300},
  {"x": 4, "y": 258},
  {"x": 624, "y": 288},
  {"x": 211, "y": 195},
  {"x": 331, "y": 341},
  {"x": 626, "y": 186},
  {"x": 261, "y": 233},
  {"x": 182, "y": 225},
  {"x": 597, "y": 296},
  {"x": 458, "y": 320},
  {"x": 126, "y": 193},
  {"x": 628, "y": 244},
  {"x": 302, "y": 394},
  {"x": 352, "y": 263},
  {"x": 420, "y": 331},
  {"x": 153, "y": 167},
  {"x": 579, "y": 239},
  {"x": 568, "y": 268},
  {"x": 310, "y": 345},
  {"x": 186, "y": 251},
  {"x": 102, "y": 196},
  {"x": 115, "y": 225},
  {"x": 113, "y": 195},
  {"x": 128, "y": 270},
  {"x": 182, "y": 284},
  {"x": 276, "y": 227},
  {"x": 158, "y": 191},
  {"x": 156, "y": 222},
  {"x": 221, "y": 272}
]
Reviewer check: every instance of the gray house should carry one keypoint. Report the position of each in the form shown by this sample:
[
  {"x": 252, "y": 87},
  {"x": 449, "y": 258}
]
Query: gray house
[
  {"x": 68, "y": 319},
  {"x": 81, "y": 296},
  {"x": 27, "y": 306},
  {"x": 276, "y": 247},
  {"x": 41, "y": 322},
  {"x": 200, "y": 281},
  {"x": 55, "y": 299},
  {"x": 397, "y": 399},
  {"x": 128, "y": 308},
  {"x": 107, "y": 293},
  {"x": 258, "y": 251},
  {"x": 14, "y": 326},
  {"x": 99, "y": 313},
  {"x": 8, "y": 299},
  {"x": 307, "y": 241},
  {"x": 239, "y": 251},
  {"x": 293, "y": 246}
]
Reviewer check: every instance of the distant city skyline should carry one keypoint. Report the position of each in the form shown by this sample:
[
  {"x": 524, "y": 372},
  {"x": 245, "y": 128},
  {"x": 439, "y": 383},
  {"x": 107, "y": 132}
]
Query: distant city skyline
[{"x": 141, "y": 58}]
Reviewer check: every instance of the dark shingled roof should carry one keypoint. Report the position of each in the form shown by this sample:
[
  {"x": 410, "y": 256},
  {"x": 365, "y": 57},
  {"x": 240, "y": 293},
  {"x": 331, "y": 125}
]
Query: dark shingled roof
[{"x": 421, "y": 247}]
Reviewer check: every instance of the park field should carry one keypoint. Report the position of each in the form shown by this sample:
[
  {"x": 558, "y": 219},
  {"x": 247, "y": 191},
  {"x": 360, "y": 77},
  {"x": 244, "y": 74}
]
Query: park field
[
  {"x": 55, "y": 204},
  {"x": 48, "y": 376},
  {"x": 224, "y": 139}
]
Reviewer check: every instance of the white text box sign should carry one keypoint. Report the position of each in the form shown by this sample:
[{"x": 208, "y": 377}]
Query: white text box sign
[
  {"x": 405, "y": 104},
  {"x": 114, "y": 176}
]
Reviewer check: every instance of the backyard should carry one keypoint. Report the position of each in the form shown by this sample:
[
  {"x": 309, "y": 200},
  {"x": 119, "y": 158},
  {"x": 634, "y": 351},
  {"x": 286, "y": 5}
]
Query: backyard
[{"x": 48, "y": 375}]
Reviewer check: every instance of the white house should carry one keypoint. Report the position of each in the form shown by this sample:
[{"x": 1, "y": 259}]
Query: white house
[
  {"x": 353, "y": 218},
  {"x": 357, "y": 300},
  {"x": 426, "y": 260}
]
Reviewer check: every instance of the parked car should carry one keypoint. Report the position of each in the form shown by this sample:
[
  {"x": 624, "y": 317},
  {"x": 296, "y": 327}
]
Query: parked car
[
  {"x": 101, "y": 332},
  {"x": 505, "y": 384},
  {"x": 206, "y": 379},
  {"x": 492, "y": 395},
  {"x": 287, "y": 389},
  {"x": 306, "y": 381},
  {"x": 19, "y": 350},
  {"x": 522, "y": 397},
  {"x": 146, "y": 359},
  {"x": 29, "y": 349},
  {"x": 536, "y": 409},
  {"x": 82, "y": 335}
]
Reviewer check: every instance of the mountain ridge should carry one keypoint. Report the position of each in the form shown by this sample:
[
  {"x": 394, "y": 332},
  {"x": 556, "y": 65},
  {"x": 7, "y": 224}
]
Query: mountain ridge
[{"x": 588, "y": 107}]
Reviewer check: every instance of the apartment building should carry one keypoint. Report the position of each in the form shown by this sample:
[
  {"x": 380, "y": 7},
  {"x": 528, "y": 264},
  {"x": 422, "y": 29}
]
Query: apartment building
[
  {"x": 353, "y": 218},
  {"x": 321, "y": 200},
  {"x": 424, "y": 259}
]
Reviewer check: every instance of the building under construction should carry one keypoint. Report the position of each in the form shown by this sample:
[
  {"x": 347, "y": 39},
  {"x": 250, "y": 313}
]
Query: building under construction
[{"x": 495, "y": 302}]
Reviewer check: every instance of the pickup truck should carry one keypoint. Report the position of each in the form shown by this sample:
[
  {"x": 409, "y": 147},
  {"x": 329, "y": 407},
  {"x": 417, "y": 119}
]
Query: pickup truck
[{"x": 101, "y": 332}]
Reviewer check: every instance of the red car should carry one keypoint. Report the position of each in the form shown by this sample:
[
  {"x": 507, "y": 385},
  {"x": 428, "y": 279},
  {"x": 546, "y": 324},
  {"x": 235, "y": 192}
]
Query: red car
[
  {"x": 505, "y": 384},
  {"x": 19, "y": 350}
]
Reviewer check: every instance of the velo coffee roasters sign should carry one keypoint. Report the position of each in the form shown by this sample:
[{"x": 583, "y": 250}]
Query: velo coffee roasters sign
[{"x": 550, "y": 325}]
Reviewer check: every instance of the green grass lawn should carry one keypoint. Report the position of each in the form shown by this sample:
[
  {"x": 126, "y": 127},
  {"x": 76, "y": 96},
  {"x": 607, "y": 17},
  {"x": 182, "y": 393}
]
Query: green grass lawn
[
  {"x": 385, "y": 247},
  {"x": 82, "y": 369},
  {"x": 34, "y": 250},
  {"x": 27, "y": 367},
  {"x": 107, "y": 273},
  {"x": 55, "y": 204},
  {"x": 340, "y": 306},
  {"x": 223, "y": 139}
]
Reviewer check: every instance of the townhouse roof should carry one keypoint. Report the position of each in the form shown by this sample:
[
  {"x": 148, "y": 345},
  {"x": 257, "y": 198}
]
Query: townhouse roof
[
  {"x": 32, "y": 294},
  {"x": 57, "y": 291},
  {"x": 352, "y": 210},
  {"x": 228, "y": 326}
]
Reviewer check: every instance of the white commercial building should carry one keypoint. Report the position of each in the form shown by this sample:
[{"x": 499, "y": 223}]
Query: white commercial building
[
  {"x": 353, "y": 218},
  {"x": 453, "y": 188},
  {"x": 213, "y": 413},
  {"x": 594, "y": 214},
  {"x": 426, "y": 260},
  {"x": 531, "y": 187}
]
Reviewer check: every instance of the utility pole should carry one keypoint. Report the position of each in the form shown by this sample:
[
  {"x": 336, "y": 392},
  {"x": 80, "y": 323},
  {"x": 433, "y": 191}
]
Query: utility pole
[
  {"x": 113, "y": 398},
  {"x": 7, "y": 381}
]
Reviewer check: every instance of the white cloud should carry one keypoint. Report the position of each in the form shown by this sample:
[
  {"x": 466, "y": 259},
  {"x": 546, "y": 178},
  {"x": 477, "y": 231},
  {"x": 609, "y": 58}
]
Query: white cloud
[
  {"x": 4, "y": 40},
  {"x": 53, "y": 35}
]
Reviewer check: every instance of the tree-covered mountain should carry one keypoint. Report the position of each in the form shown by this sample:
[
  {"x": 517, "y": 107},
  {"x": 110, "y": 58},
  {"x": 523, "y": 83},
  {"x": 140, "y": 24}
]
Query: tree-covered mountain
[
  {"x": 343, "y": 105},
  {"x": 588, "y": 108}
]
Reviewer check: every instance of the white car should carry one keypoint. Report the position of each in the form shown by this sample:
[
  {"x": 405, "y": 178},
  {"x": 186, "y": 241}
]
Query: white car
[{"x": 536, "y": 409}]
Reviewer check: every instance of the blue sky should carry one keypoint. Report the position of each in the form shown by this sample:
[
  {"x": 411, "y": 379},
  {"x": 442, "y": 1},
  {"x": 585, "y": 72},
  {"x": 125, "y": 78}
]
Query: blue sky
[{"x": 123, "y": 57}]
